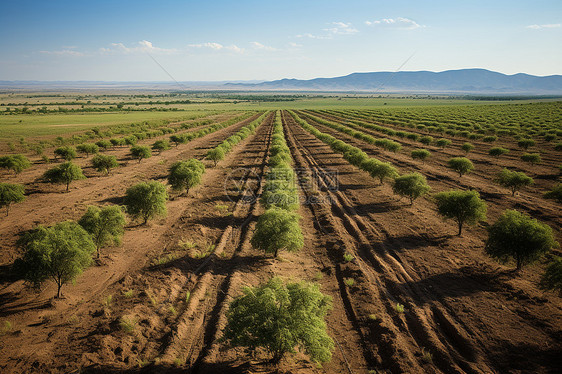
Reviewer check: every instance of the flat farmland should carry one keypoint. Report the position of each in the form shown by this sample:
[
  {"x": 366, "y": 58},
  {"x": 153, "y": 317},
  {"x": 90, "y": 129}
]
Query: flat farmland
[{"x": 408, "y": 295}]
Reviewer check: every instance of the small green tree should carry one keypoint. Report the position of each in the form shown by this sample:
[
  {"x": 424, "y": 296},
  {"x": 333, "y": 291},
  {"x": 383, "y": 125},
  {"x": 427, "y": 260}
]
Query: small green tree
[
  {"x": 526, "y": 143},
  {"x": 420, "y": 154},
  {"x": 216, "y": 154},
  {"x": 379, "y": 169},
  {"x": 467, "y": 147},
  {"x": 9, "y": 194},
  {"x": 105, "y": 225},
  {"x": 60, "y": 253},
  {"x": 104, "y": 163},
  {"x": 146, "y": 200},
  {"x": 16, "y": 163},
  {"x": 279, "y": 318},
  {"x": 278, "y": 229},
  {"x": 88, "y": 148},
  {"x": 461, "y": 165},
  {"x": 555, "y": 193},
  {"x": 186, "y": 174},
  {"x": 161, "y": 145},
  {"x": 64, "y": 174},
  {"x": 140, "y": 151},
  {"x": 552, "y": 278},
  {"x": 66, "y": 153},
  {"x": 104, "y": 144},
  {"x": 443, "y": 142},
  {"x": 130, "y": 140},
  {"x": 513, "y": 180},
  {"x": 117, "y": 142},
  {"x": 532, "y": 158},
  {"x": 462, "y": 206},
  {"x": 427, "y": 140},
  {"x": 177, "y": 139},
  {"x": 497, "y": 151},
  {"x": 411, "y": 185},
  {"x": 517, "y": 235}
]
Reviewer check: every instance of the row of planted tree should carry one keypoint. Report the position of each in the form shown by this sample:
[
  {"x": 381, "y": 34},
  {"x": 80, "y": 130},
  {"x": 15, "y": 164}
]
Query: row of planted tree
[{"x": 514, "y": 235}]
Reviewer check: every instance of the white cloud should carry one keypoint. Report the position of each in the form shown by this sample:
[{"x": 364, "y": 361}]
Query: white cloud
[
  {"x": 64, "y": 52},
  {"x": 142, "y": 46},
  {"x": 546, "y": 26},
  {"x": 341, "y": 28},
  {"x": 312, "y": 36},
  {"x": 258, "y": 45},
  {"x": 399, "y": 22},
  {"x": 217, "y": 47},
  {"x": 295, "y": 45}
]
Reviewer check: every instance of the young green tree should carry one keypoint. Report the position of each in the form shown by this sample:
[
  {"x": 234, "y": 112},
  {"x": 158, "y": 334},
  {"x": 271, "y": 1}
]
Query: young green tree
[
  {"x": 532, "y": 158},
  {"x": 146, "y": 200},
  {"x": 555, "y": 193},
  {"x": 104, "y": 163},
  {"x": 60, "y": 253},
  {"x": 517, "y": 235},
  {"x": 177, "y": 139},
  {"x": 467, "y": 147},
  {"x": 161, "y": 145},
  {"x": 443, "y": 142},
  {"x": 420, "y": 154},
  {"x": 462, "y": 206},
  {"x": 64, "y": 174},
  {"x": 278, "y": 229},
  {"x": 279, "y": 318},
  {"x": 16, "y": 163},
  {"x": 411, "y": 185},
  {"x": 552, "y": 278},
  {"x": 88, "y": 148},
  {"x": 140, "y": 151},
  {"x": 513, "y": 180},
  {"x": 131, "y": 140},
  {"x": 9, "y": 194},
  {"x": 461, "y": 165},
  {"x": 186, "y": 174},
  {"x": 379, "y": 169},
  {"x": 66, "y": 153},
  {"x": 216, "y": 154},
  {"x": 105, "y": 225},
  {"x": 117, "y": 142},
  {"x": 497, "y": 151},
  {"x": 104, "y": 144},
  {"x": 526, "y": 143},
  {"x": 427, "y": 140}
]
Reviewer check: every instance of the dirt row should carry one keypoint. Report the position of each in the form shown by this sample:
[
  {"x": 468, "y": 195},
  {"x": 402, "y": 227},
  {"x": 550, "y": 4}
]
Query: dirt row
[{"x": 471, "y": 314}]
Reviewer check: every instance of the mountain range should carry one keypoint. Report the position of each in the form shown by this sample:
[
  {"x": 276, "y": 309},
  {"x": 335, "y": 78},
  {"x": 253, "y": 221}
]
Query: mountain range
[{"x": 464, "y": 81}]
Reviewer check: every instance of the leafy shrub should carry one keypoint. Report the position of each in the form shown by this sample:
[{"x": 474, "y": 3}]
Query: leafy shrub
[
  {"x": 462, "y": 206},
  {"x": 461, "y": 165},
  {"x": 517, "y": 235},
  {"x": 66, "y": 153},
  {"x": 104, "y": 163},
  {"x": 11, "y": 193},
  {"x": 420, "y": 154},
  {"x": 161, "y": 145},
  {"x": 16, "y": 163},
  {"x": 278, "y": 229},
  {"x": 490, "y": 138},
  {"x": 117, "y": 142},
  {"x": 64, "y": 174},
  {"x": 140, "y": 151},
  {"x": 514, "y": 180},
  {"x": 411, "y": 185},
  {"x": 555, "y": 193},
  {"x": 146, "y": 200},
  {"x": 88, "y": 148},
  {"x": 443, "y": 142},
  {"x": 298, "y": 310},
  {"x": 532, "y": 158},
  {"x": 216, "y": 154},
  {"x": 526, "y": 143},
  {"x": 427, "y": 140},
  {"x": 186, "y": 174},
  {"x": 131, "y": 140},
  {"x": 105, "y": 225},
  {"x": 60, "y": 253},
  {"x": 552, "y": 278},
  {"x": 379, "y": 169},
  {"x": 467, "y": 147},
  {"x": 104, "y": 144},
  {"x": 497, "y": 151}
]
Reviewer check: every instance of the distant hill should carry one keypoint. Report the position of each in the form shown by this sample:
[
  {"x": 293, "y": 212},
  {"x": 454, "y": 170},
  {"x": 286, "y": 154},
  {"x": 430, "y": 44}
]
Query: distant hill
[{"x": 467, "y": 81}]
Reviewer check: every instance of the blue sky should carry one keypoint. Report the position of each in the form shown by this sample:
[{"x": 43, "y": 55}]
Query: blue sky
[{"x": 265, "y": 40}]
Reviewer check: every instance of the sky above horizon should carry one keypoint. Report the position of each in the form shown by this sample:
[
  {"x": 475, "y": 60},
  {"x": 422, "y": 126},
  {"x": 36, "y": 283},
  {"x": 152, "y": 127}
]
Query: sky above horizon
[{"x": 266, "y": 40}]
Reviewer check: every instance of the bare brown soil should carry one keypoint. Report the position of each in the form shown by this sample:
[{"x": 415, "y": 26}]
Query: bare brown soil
[{"x": 463, "y": 313}]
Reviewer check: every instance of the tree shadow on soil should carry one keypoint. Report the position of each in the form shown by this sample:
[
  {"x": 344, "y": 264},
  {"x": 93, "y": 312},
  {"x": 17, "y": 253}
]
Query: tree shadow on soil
[
  {"x": 527, "y": 358},
  {"x": 214, "y": 368}
]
